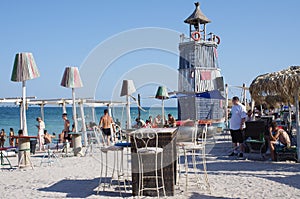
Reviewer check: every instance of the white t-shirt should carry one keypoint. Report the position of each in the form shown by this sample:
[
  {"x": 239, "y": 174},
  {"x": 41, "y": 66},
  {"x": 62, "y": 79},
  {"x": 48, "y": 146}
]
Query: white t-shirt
[
  {"x": 238, "y": 112},
  {"x": 42, "y": 127}
]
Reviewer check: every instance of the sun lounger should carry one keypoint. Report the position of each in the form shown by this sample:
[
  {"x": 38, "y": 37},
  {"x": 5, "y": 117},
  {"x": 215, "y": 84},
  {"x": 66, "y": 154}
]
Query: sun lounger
[{"x": 254, "y": 137}]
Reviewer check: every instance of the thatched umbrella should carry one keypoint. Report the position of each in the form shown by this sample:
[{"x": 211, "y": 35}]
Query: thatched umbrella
[{"x": 284, "y": 84}]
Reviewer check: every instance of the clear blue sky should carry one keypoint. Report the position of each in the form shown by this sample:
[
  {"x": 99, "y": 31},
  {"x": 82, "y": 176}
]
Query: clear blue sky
[{"x": 256, "y": 36}]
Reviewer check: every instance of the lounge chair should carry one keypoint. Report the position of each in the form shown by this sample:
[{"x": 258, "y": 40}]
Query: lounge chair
[{"x": 254, "y": 137}]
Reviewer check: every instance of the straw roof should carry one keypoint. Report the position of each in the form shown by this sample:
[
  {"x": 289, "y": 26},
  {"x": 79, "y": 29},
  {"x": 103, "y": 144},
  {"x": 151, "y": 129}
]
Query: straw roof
[
  {"x": 281, "y": 84},
  {"x": 197, "y": 16}
]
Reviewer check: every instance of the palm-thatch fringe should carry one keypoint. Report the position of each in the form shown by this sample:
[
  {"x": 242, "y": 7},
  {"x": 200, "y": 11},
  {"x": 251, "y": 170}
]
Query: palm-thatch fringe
[{"x": 282, "y": 84}]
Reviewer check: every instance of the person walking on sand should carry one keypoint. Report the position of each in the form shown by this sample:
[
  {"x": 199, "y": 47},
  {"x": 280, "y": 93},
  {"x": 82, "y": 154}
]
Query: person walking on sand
[
  {"x": 41, "y": 128},
  {"x": 11, "y": 139},
  {"x": 106, "y": 122},
  {"x": 2, "y": 138},
  {"x": 237, "y": 125}
]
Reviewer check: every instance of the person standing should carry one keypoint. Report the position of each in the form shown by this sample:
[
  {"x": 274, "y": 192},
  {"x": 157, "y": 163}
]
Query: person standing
[
  {"x": 41, "y": 128},
  {"x": 237, "y": 125},
  {"x": 171, "y": 121},
  {"x": 66, "y": 129},
  {"x": 106, "y": 122},
  {"x": 11, "y": 139},
  {"x": 2, "y": 138}
]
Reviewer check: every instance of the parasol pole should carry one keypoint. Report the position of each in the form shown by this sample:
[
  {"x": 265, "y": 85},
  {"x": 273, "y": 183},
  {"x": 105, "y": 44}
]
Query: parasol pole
[
  {"x": 128, "y": 125},
  {"x": 93, "y": 113},
  {"x": 226, "y": 105},
  {"x": 24, "y": 108},
  {"x": 21, "y": 115},
  {"x": 42, "y": 112},
  {"x": 163, "y": 111},
  {"x": 83, "y": 123},
  {"x": 74, "y": 109},
  {"x": 297, "y": 122},
  {"x": 64, "y": 109},
  {"x": 139, "y": 106}
]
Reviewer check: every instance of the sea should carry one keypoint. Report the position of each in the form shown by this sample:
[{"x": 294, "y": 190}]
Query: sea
[{"x": 10, "y": 117}]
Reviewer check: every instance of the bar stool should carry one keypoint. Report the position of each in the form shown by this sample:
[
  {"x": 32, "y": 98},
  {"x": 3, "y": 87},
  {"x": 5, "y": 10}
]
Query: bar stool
[
  {"x": 146, "y": 143},
  {"x": 196, "y": 149},
  {"x": 105, "y": 151}
]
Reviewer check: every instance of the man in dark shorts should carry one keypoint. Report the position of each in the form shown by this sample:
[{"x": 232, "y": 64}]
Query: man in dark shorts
[
  {"x": 106, "y": 123},
  {"x": 237, "y": 125},
  {"x": 66, "y": 129}
]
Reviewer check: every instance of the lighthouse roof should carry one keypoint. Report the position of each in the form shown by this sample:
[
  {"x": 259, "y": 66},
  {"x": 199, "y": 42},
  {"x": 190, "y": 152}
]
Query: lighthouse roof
[{"x": 197, "y": 16}]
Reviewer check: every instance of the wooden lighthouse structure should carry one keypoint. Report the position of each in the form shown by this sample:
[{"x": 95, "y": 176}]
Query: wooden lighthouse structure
[{"x": 199, "y": 70}]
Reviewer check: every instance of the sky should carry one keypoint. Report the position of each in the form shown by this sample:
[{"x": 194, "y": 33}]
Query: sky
[{"x": 256, "y": 37}]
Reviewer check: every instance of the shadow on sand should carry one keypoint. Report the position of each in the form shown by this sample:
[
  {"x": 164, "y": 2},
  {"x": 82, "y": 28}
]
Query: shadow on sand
[{"x": 82, "y": 189}]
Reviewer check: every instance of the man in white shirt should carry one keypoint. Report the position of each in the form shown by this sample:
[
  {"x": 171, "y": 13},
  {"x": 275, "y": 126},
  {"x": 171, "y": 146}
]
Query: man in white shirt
[
  {"x": 41, "y": 128},
  {"x": 237, "y": 124}
]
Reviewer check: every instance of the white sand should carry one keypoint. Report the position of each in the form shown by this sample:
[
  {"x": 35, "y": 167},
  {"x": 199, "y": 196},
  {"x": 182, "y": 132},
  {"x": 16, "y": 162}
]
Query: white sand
[{"x": 229, "y": 178}]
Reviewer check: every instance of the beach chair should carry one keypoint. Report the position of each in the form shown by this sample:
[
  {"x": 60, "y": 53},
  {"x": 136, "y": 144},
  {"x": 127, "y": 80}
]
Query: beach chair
[
  {"x": 286, "y": 153},
  {"x": 117, "y": 162},
  {"x": 4, "y": 156},
  {"x": 254, "y": 137},
  {"x": 49, "y": 156}
]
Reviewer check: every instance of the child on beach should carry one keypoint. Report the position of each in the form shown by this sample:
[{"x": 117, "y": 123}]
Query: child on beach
[
  {"x": 2, "y": 138},
  {"x": 11, "y": 139}
]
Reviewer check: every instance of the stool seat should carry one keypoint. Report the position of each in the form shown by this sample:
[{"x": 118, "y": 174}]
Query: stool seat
[
  {"x": 150, "y": 150},
  {"x": 123, "y": 144},
  {"x": 111, "y": 148}
]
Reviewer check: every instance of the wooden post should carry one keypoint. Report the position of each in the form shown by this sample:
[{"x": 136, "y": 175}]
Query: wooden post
[
  {"x": 42, "y": 111},
  {"x": 24, "y": 108},
  {"x": 83, "y": 123},
  {"x": 244, "y": 95},
  {"x": 226, "y": 105},
  {"x": 204, "y": 30},
  {"x": 139, "y": 105}
]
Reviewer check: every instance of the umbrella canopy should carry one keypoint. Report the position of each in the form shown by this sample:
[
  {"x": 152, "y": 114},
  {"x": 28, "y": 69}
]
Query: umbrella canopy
[
  {"x": 162, "y": 94},
  {"x": 24, "y": 68},
  {"x": 71, "y": 78},
  {"x": 282, "y": 83}
]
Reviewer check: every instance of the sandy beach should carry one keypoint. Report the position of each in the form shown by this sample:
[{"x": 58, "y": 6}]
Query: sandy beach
[{"x": 78, "y": 177}]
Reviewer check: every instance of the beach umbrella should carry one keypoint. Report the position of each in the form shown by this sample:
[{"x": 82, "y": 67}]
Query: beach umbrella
[
  {"x": 71, "y": 79},
  {"x": 24, "y": 69},
  {"x": 162, "y": 94},
  {"x": 214, "y": 94},
  {"x": 127, "y": 90},
  {"x": 283, "y": 84}
]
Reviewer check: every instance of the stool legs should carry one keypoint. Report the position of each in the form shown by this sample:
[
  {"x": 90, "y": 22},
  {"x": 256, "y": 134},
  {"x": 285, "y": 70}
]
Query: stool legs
[
  {"x": 114, "y": 169},
  {"x": 142, "y": 176},
  {"x": 195, "y": 156}
]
